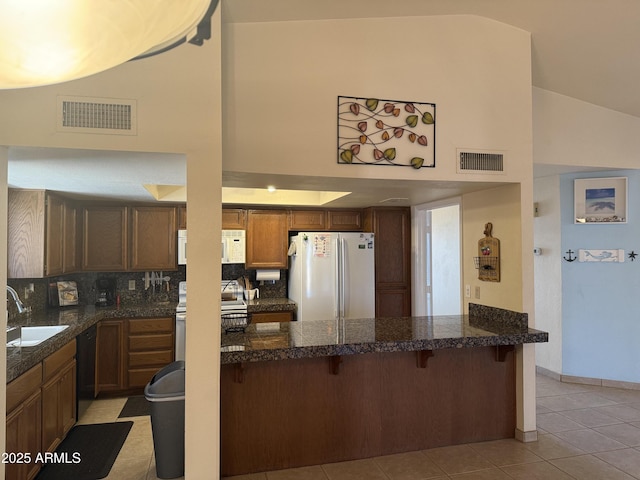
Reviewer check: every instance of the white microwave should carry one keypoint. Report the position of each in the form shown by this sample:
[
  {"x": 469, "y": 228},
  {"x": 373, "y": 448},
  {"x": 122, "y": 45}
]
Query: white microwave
[{"x": 233, "y": 246}]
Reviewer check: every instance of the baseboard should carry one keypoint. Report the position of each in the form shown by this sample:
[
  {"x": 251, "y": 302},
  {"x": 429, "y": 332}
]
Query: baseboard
[
  {"x": 548, "y": 373},
  {"x": 526, "y": 437},
  {"x": 598, "y": 382}
]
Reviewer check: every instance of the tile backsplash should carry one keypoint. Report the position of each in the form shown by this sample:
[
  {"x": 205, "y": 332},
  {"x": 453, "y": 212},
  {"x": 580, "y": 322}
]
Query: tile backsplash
[
  {"x": 38, "y": 299},
  {"x": 278, "y": 289}
]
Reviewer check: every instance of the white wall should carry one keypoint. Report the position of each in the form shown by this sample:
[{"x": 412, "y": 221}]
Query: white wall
[
  {"x": 568, "y": 131},
  {"x": 548, "y": 272},
  {"x": 179, "y": 111},
  {"x": 501, "y": 207},
  {"x": 574, "y": 133},
  {"x": 282, "y": 81}
]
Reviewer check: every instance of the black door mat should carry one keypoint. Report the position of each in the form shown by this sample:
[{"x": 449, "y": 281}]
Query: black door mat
[
  {"x": 88, "y": 452},
  {"x": 136, "y": 406}
]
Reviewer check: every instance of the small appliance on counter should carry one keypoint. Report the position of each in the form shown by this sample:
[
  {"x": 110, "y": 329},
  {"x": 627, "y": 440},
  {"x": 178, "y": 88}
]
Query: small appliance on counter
[
  {"x": 67, "y": 293},
  {"x": 63, "y": 293},
  {"x": 105, "y": 292}
]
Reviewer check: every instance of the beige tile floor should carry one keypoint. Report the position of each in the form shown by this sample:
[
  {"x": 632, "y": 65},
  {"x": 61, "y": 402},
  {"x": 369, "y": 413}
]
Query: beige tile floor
[
  {"x": 136, "y": 459},
  {"x": 585, "y": 432}
]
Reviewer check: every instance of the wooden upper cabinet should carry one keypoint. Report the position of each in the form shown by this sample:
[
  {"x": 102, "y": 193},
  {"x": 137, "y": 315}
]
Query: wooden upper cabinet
[
  {"x": 153, "y": 238},
  {"x": 234, "y": 219},
  {"x": 26, "y": 237},
  {"x": 344, "y": 220},
  {"x": 39, "y": 237},
  {"x": 104, "y": 238},
  {"x": 71, "y": 247},
  {"x": 267, "y": 239},
  {"x": 54, "y": 241},
  {"x": 337, "y": 220},
  {"x": 310, "y": 220},
  {"x": 182, "y": 217}
]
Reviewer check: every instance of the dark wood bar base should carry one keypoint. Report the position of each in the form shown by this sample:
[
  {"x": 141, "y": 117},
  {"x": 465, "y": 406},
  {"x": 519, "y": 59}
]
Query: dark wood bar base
[{"x": 311, "y": 411}]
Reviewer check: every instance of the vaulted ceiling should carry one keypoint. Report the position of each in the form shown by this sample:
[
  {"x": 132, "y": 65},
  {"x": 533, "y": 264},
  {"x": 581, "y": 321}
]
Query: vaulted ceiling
[{"x": 585, "y": 49}]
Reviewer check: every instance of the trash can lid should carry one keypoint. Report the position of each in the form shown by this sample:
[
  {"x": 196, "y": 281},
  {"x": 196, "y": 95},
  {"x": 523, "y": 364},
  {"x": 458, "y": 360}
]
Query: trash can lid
[{"x": 167, "y": 384}]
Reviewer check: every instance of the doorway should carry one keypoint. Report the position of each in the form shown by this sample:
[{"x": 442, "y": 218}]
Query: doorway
[{"x": 438, "y": 240}]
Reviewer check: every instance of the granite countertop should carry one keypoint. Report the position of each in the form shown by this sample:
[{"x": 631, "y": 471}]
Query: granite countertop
[
  {"x": 80, "y": 318},
  {"x": 271, "y": 305},
  {"x": 484, "y": 326}
]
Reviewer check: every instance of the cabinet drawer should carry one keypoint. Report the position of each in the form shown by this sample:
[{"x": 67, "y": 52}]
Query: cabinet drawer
[
  {"x": 157, "y": 341},
  {"x": 147, "y": 359},
  {"x": 139, "y": 377},
  {"x": 150, "y": 325},
  {"x": 271, "y": 317},
  {"x": 23, "y": 386}
]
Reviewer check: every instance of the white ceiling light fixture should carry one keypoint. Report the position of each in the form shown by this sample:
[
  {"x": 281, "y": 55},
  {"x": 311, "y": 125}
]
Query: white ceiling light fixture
[{"x": 43, "y": 42}]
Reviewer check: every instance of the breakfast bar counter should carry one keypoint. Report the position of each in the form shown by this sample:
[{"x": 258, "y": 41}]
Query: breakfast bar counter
[
  {"x": 484, "y": 327},
  {"x": 308, "y": 393}
]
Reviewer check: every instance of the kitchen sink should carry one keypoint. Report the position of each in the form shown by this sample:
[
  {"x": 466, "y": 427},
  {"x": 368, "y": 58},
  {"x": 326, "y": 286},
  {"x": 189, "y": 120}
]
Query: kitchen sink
[{"x": 32, "y": 336}]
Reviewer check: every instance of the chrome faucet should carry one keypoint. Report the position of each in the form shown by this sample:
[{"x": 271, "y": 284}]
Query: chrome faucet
[{"x": 19, "y": 305}]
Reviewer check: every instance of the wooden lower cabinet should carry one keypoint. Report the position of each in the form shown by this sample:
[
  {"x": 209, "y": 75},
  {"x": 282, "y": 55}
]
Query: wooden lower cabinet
[
  {"x": 58, "y": 407},
  {"x": 151, "y": 347},
  {"x": 261, "y": 317},
  {"x": 110, "y": 358},
  {"x": 24, "y": 427},
  {"x": 41, "y": 406},
  {"x": 130, "y": 351}
]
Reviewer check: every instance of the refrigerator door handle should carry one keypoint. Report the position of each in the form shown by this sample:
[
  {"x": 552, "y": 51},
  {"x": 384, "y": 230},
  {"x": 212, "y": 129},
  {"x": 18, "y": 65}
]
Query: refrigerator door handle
[
  {"x": 343, "y": 284},
  {"x": 337, "y": 305}
]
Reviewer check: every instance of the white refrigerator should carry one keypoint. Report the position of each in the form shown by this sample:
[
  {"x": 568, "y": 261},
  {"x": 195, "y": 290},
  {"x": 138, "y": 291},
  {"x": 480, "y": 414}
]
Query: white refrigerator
[{"x": 331, "y": 275}]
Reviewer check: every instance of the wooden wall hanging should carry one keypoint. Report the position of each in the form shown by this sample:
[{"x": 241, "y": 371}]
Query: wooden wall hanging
[{"x": 488, "y": 259}]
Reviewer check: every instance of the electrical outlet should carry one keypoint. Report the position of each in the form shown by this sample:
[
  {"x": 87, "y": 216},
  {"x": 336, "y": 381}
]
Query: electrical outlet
[
  {"x": 467, "y": 291},
  {"x": 132, "y": 284},
  {"x": 477, "y": 292}
]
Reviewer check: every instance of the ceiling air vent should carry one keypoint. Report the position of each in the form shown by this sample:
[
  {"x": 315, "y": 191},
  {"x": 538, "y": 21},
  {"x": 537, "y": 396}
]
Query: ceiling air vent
[
  {"x": 480, "y": 162},
  {"x": 96, "y": 115}
]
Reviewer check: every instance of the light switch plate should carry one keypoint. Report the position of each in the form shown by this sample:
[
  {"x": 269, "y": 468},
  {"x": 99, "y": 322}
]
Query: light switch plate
[{"x": 132, "y": 284}]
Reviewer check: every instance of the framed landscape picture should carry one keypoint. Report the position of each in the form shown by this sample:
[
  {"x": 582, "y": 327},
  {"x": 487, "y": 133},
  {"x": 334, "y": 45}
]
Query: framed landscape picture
[{"x": 600, "y": 200}]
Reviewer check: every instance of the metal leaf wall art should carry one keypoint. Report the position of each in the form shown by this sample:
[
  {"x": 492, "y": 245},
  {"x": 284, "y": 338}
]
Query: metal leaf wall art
[{"x": 372, "y": 131}]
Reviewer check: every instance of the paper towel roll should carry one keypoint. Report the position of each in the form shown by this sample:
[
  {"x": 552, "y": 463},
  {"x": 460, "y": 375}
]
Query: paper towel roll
[{"x": 263, "y": 275}]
